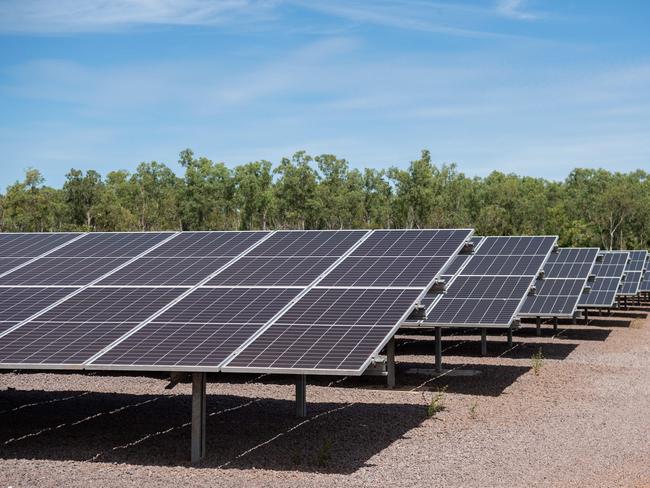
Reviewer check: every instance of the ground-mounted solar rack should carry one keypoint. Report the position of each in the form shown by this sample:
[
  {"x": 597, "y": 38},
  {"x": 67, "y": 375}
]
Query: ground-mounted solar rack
[
  {"x": 154, "y": 301},
  {"x": 567, "y": 274},
  {"x": 488, "y": 288},
  {"x": 644, "y": 286},
  {"x": 609, "y": 272},
  {"x": 634, "y": 273}
]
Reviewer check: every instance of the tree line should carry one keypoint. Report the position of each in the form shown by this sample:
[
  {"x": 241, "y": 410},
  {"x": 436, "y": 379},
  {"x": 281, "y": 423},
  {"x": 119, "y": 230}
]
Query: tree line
[{"x": 591, "y": 207}]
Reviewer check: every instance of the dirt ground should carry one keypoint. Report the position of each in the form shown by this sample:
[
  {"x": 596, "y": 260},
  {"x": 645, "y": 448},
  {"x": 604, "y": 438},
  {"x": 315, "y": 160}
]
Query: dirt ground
[{"x": 580, "y": 416}]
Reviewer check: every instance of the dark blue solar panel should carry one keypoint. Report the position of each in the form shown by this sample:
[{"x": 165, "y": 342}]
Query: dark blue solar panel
[
  {"x": 308, "y": 243},
  {"x": 208, "y": 244},
  {"x": 61, "y": 271},
  {"x": 160, "y": 271},
  {"x": 78, "y": 328},
  {"x": 273, "y": 271},
  {"x": 385, "y": 271},
  {"x": 112, "y": 244},
  {"x": 17, "y": 304},
  {"x": 202, "y": 329},
  {"x": 31, "y": 245},
  {"x": 7, "y": 264},
  {"x": 405, "y": 243}
]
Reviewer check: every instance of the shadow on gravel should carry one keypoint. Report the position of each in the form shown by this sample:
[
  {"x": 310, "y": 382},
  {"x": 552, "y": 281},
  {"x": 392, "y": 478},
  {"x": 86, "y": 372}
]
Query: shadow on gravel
[
  {"x": 604, "y": 322},
  {"x": 153, "y": 430},
  {"x": 628, "y": 314},
  {"x": 577, "y": 334},
  {"x": 472, "y": 348}
]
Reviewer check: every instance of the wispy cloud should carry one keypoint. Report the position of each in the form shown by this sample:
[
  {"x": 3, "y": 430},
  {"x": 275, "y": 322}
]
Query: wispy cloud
[
  {"x": 515, "y": 9},
  {"x": 74, "y": 16}
]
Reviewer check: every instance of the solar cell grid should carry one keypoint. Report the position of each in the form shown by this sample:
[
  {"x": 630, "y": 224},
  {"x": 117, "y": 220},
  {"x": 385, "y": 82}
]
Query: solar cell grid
[
  {"x": 492, "y": 284},
  {"x": 111, "y": 244},
  {"x": 208, "y": 244},
  {"x": 633, "y": 273},
  {"x": 565, "y": 278},
  {"x": 7, "y": 264},
  {"x": 493, "y": 287},
  {"x": 32, "y": 245},
  {"x": 609, "y": 272},
  {"x": 270, "y": 271},
  {"x": 17, "y": 304},
  {"x": 387, "y": 272},
  {"x": 310, "y": 347},
  {"x": 202, "y": 329},
  {"x": 308, "y": 243},
  {"x": 161, "y": 271},
  {"x": 61, "y": 271},
  {"x": 405, "y": 243},
  {"x": 98, "y": 304}
]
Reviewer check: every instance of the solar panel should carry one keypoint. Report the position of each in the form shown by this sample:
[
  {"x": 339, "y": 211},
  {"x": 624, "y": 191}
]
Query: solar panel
[
  {"x": 31, "y": 245},
  {"x": 230, "y": 295},
  {"x": 347, "y": 317},
  {"x": 458, "y": 262},
  {"x": 565, "y": 278},
  {"x": 644, "y": 286},
  {"x": 493, "y": 283},
  {"x": 270, "y": 271},
  {"x": 203, "y": 329},
  {"x": 62, "y": 271},
  {"x": 328, "y": 328},
  {"x": 77, "y": 328},
  {"x": 17, "y": 304},
  {"x": 209, "y": 324},
  {"x": 609, "y": 273},
  {"x": 208, "y": 244},
  {"x": 633, "y": 273},
  {"x": 111, "y": 244}
]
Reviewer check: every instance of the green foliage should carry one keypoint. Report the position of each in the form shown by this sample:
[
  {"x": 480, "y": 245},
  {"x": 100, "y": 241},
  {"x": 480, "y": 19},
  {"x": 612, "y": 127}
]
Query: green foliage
[
  {"x": 436, "y": 404},
  {"x": 591, "y": 207},
  {"x": 324, "y": 455},
  {"x": 537, "y": 361}
]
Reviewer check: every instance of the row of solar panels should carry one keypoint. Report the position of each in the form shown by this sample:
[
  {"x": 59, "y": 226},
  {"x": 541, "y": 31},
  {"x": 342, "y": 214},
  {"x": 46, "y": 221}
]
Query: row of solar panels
[{"x": 287, "y": 301}]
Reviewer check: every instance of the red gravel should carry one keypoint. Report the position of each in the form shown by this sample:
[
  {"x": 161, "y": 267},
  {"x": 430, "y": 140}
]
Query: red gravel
[{"x": 583, "y": 421}]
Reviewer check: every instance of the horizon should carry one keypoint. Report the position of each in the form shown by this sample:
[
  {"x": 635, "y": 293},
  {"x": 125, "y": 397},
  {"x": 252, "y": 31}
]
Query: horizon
[{"x": 526, "y": 87}]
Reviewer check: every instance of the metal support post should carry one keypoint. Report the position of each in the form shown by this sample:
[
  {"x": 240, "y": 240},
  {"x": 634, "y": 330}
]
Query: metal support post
[
  {"x": 574, "y": 320},
  {"x": 439, "y": 349},
  {"x": 390, "y": 363},
  {"x": 625, "y": 302},
  {"x": 555, "y": 324},
  {"x": 483, "y": 341},
  {"x": 301, "y": 395},
  {"x": 586, "y": 316},
  {"x": 198, "y": 416},
  {"x": 510, "y": 337},
  {"x": 538, "y": 324}
]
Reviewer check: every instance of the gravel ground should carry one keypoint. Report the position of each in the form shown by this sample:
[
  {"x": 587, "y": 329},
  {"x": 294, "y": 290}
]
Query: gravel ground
[{"x": 583, "y": 420}]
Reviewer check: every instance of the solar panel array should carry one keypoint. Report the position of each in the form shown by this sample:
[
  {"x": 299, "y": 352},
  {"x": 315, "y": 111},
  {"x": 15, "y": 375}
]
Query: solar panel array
[
  {"x": 347, "y": 317},
  {"x": 644, "y": 286},
  {"x": 634, "y": 271},
  {"x": 284, "y": 301},
  {"x": 492, "y": 284},
  {"x": 609, "y": 273},
  {"x": 565, "y": 278}
]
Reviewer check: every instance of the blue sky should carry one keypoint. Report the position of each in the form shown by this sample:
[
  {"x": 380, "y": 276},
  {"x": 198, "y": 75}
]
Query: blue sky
[{"x": 533, "y": 87}]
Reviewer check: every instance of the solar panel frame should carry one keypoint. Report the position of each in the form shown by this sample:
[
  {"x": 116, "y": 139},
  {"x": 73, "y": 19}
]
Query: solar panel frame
[
  {"x": 644, "y": 286},
  {"x": 390, "y": 331},
  {"x": 608, "y": 272},
  {"x": 95, "y": 362},
  {"x": 633, "y": 273},
  {"x": 506, "y": 310},
  {"x": 571, "y": 267}
]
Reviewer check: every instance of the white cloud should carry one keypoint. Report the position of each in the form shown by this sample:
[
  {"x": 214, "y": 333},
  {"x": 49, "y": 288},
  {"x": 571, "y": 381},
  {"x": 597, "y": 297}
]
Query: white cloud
[
  {"x": 514, "y": 9},
  {"x": 73, "y": 16}
]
